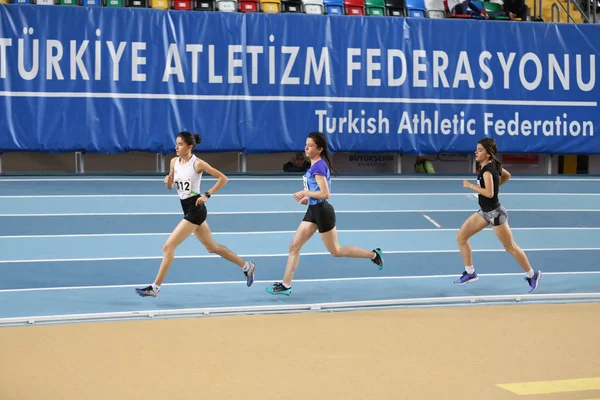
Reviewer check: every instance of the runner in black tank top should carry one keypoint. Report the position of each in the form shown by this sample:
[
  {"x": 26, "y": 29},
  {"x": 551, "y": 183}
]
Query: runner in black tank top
[
  {"x": 488, "y": 204},
  {"x": 490, "y": 178}
]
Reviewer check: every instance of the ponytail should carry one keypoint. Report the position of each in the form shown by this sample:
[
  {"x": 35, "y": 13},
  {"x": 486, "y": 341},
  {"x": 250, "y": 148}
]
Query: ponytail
[
  {"x": 497, "y": 163},
  {"x": 325, "y": 155},
  {"x": 321, "y": 141}
]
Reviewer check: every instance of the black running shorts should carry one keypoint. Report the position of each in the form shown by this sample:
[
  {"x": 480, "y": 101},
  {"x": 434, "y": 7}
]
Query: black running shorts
[
  {"x": 321, "y": 214},
  {"x": 191, "y": 213}
]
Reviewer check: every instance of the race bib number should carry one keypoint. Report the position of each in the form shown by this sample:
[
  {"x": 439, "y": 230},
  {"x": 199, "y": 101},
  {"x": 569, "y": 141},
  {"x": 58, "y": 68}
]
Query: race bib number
[
  {"x": 305, "y": 182},
  {"x": 184, "y": 185}
]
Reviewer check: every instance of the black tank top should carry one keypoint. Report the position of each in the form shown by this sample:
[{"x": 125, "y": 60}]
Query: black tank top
[{"x": 486, "y": 203}]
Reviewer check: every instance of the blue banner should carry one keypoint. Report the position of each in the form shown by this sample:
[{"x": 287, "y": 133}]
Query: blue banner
[{"x": 111, "y": 80}]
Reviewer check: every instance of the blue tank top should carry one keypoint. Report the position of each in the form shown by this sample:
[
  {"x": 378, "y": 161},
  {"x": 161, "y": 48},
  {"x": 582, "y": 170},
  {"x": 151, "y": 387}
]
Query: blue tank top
[{"x": 310, "y": 182}]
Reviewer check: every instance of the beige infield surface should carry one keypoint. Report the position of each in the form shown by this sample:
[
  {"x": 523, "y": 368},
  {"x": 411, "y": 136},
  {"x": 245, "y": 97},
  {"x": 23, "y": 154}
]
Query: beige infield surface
[{"x": 526, "y": 352}]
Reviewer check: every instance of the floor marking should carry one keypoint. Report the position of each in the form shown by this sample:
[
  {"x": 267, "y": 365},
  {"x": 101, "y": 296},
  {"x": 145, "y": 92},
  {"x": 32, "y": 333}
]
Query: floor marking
[
  {"x": 387, "y": 194},
  {"x": 295, "y": 179},
  {"x": 289, "y": 308},
  {"x": 469, "y": 210},
  {"x": 428, "y": 218},
  {"x": 159, "y": 257},
  {"x": 548, "y": 387},
  {"x": 317, "y": 280},
  {"x": 439, "y": 229}
]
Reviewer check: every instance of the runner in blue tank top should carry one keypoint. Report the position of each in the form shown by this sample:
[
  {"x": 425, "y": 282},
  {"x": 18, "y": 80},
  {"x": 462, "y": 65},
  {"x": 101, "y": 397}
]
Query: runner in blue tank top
[
  {"x": 319, "y": 216},
  {"x": 310, "y": 180}
]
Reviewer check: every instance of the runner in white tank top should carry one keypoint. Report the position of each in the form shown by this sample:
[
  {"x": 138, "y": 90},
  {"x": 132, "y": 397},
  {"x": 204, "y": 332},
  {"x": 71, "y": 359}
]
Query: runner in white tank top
[
  {"x": 185, "y": 174},
  {"x": 187, "y": 180}
]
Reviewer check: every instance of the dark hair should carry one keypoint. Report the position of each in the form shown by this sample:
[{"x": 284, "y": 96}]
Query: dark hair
[
  {"x": 321, "y": 141},
  {"x": 489, "y": 145},
  {"x": 190, "y": 138}
]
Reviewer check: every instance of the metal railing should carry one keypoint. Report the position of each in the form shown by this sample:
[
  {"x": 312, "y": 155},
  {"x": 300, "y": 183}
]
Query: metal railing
[
  {"x": 537, "y": 9},
  {"x": 592, "y": 11},
  {"x": 588, "y": 17},
  {"x": 555, "y": 7},
  {"x": 585, "y": 16}
]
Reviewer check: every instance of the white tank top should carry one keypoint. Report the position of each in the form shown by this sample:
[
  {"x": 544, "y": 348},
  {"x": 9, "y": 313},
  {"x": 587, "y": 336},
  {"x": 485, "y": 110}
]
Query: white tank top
[{"x": 187, "y": 180}]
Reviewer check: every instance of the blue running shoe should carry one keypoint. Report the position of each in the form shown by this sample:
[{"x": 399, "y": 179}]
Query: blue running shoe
[
  {"x": 250, "y": 274},
  {"x": 378, "y": 258},
  {"x": 278, "y": 288},
  {"x": 533, "y": 282},
  {"x": 147, "y": 291},
  {"x": 466, "y": 278}
]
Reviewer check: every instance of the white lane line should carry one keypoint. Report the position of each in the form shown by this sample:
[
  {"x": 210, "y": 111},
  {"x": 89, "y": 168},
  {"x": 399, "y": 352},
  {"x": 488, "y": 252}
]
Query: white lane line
[
  {"x": 428, "y": 218},
  {"x": 349, "y": 279}
]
